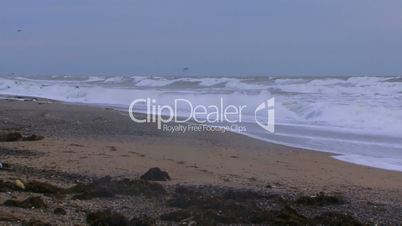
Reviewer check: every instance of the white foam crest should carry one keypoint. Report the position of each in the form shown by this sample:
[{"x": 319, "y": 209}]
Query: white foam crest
[
  {"x": 213, "y": 81},
  {"x": 114, "y": 79},
  {"x": 154, "y": 82},
  {"x": 240, "y": 84},
  {"x": 95, "y": 79},
  {"x": 362, "y": 116}
]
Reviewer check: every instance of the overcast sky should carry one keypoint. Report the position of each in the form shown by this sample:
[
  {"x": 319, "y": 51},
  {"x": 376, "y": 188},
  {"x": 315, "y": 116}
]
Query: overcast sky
[{"x": 210, "y": 37}]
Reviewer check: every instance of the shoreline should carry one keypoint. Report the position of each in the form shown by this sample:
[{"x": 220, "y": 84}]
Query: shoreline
[
  {"x": 85, "y": 142},
  {"x": 333, "y": 155},
  {"x": 223, "y": 138}
]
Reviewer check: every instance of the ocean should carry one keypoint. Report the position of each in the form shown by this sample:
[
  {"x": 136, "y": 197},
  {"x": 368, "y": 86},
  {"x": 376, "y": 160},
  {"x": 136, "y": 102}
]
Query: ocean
[{"x": 359, "y": 119}]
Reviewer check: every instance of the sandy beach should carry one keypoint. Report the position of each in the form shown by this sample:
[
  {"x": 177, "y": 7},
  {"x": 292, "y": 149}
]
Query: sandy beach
[{"x": 83, "y": 143}]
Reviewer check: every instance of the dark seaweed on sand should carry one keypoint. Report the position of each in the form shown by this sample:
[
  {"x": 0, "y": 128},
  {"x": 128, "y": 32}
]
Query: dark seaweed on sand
[
  {"x": 106, "y": 187},
  {"x": 241, "y": 207}
]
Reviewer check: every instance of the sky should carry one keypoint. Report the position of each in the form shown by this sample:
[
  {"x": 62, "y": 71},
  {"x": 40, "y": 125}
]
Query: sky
[{"x": 209, "y": 37}]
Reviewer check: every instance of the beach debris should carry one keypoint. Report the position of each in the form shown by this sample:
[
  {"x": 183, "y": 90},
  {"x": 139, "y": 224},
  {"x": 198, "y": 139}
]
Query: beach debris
[
  {"x": 19, "y": 184},
  {"x": 106, "y": 187},
  {"x": 16, "y": 136},
  {"x": 155, "y": 174},
  {"x": 320, "y": 199},
  {"x": 35, "y": 223},
  {"x": 59, "y": 211},
  {"x": 32, "y": 202}
]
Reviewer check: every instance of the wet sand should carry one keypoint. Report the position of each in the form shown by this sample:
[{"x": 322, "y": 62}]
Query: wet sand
[{"x": 82, "y": 143}]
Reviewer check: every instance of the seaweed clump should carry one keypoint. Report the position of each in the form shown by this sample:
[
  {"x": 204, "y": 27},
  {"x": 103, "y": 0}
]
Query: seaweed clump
[
  {"x": 106, "y": 187},
  {"x": 242, "y": 207}
]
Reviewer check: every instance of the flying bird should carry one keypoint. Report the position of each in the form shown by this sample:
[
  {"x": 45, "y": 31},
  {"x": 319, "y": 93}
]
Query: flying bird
[
  {"x": 186, "y": 69},
  {"x": 19, "y": 30}
]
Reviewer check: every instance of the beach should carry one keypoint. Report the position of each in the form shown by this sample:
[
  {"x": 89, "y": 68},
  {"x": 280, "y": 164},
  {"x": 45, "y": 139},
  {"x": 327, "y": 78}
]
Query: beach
[
  {"x": 200, "y": 113},
  {"x": 83, "y": 143}
]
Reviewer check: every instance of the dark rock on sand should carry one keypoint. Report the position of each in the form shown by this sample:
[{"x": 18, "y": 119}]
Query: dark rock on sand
[
  {"x": 35, "y": 223},
  {"x": 155, "y": 174},
  {"x": 59, "y": 211},
  {"x": 32, "y": 202},
  {"x": 321, "y": 199},
  {"x": 106, "y": 187}
]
